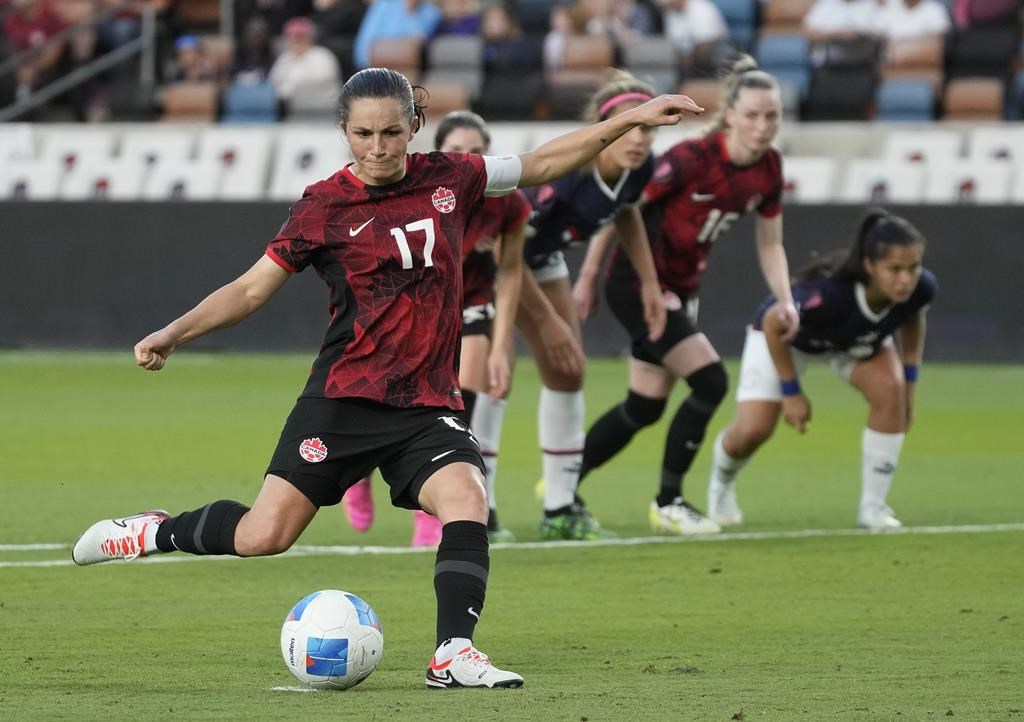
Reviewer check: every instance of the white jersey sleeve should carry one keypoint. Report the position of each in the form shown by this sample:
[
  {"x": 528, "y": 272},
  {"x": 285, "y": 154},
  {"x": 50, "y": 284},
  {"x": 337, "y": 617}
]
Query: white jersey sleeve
[{"x": 503, "y": 174}]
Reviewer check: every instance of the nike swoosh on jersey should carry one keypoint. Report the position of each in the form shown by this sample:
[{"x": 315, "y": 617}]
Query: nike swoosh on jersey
[
  {"x": 703, "y": 197},
  {"x": 355, "y": 231},
  {"x": 441, "y": 456}
]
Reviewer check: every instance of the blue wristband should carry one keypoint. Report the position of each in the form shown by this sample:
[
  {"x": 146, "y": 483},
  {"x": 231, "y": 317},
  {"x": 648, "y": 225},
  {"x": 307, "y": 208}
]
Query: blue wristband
[
  {"x": 790, "y": 388},
  {"x": 910, "y": 372}
]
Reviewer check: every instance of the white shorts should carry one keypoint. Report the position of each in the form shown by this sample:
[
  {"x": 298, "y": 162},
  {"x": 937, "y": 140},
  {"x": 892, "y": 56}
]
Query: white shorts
[
  {"x": 759, "y": 381},
  {"x": 554, "y": 268}
]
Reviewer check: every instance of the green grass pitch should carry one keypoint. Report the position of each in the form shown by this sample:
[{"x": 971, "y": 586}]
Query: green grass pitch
[{"x": 828, "y": 627}]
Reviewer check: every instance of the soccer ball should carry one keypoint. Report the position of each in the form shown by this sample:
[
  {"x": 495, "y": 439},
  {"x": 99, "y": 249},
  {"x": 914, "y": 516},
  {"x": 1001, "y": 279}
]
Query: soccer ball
[{"x": 331, "y": 640}]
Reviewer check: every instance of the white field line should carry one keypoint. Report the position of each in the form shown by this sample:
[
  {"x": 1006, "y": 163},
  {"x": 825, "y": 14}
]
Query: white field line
[{"x": 300, "y": 550}]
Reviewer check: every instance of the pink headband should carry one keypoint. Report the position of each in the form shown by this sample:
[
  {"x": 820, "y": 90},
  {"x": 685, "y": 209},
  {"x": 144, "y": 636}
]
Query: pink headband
[{"x": 612, "y": 102}]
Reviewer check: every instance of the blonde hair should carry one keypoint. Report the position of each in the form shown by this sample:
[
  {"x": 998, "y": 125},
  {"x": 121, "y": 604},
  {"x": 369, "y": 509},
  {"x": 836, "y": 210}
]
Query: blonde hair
[
  {"x": 621, "y": 82},
  {"x": 744, "y": 73}
]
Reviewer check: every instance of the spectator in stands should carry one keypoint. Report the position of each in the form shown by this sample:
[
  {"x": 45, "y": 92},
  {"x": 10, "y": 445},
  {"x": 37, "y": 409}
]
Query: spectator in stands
[
  {"x": 911, "y": 20},
  {"x": 637, "y": 17},
  {"x": 303, "y": 64},
  {"x": 968, "y": 13},
  {"x": 830, "y": 19},
  {"x": 620, "y": 20},
  {"x": 699, "y": 32},
  {"x": 563, "y": 23},
  {"x": 337, "y": 17},
  {"x": 275, "y": 12},
  {"x": 459, "y": 17},
  {"x": 192, "y": 65},
  {"x": 389, "y": 19},
  {"x": 29, "y": 27},
  {"x": 254, "y": 57},
  {"x": 505, "y": 49}
]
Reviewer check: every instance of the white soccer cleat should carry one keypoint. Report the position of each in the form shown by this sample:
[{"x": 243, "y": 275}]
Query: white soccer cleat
[
  {"x": 123, "y": 538},
  {"x": 469, "y": 668},
  {"x": 878, "y": 518},
  {"x": 723, "y": 508},
  {"x": 680, "y": 518}
]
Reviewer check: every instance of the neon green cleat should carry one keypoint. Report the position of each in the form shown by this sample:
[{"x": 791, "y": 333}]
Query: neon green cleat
[{"x": 575, "y": 525}]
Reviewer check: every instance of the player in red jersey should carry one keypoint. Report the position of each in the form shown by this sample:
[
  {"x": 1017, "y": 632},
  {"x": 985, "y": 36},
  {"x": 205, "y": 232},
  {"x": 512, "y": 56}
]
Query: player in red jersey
[
  {"x": 385, "y": 234},
  {"x": 496, "y": 229},
  {"x": 699, "y": 189},
  {"x": 566, "y": 211}
]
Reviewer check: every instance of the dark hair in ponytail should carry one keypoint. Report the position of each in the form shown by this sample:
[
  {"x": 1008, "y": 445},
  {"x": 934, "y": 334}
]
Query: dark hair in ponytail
[
  {"x": 878, "y": 232},
  {"x": 461, "y": 119},
  {"x": 384, "y": 83}
]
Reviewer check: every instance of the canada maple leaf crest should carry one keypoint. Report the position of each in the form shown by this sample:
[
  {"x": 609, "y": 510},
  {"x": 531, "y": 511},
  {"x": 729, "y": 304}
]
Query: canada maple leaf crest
[
  {"x": 443, "y": 199},
  {"x": 313, "y": 450}
]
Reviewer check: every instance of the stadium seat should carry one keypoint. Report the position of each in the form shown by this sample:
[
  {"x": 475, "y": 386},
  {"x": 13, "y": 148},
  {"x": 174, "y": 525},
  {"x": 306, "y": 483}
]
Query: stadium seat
[
  {"x": 534, "y": 15},
  {"x": 705, "y": 92},
  {"x": 444, "y": 97},
  {"x": 67, "y": 147},
  {"x": 313, "y": 105},
  {"x": 28, "y": 179},
  {"x": 741, "y": 17},
  {"x": 915, "y": 59},
  {"x": 304, "y": 156},
  {"x": 870, "y": 180},
  {"x": 151, "y": 146},
  {"x": 586, "y": 62},
  {"x": 843, "y": 79},
  {"x": 905, "y": 99},
  {"x": 968, "y": 182},
  {"x": 932, "y": 146},
  {"x": 118, "y": 180},
  {"x": 16, "y": 141},
  {"x": 786, "y": 57},
  {"x": 1002, "y": 142},
  {"x": 190, "y": 102},
  {"x": 653, "y": 59},
  {"x": 183, "y": 179},
  {"x": 250, "y": 103},
  {"x": 986, "y": 50},
  {"x": 974, "y": 99},
  {"x": 240, "y": 157},
  {"x": 808, "y": 180},
  {"x": 456, "y": 59},
  {"x": 402, "y": 54}
]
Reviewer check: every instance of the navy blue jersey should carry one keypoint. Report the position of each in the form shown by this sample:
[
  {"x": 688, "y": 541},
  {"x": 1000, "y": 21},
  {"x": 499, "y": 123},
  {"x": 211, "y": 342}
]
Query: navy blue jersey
[
  {"x": 834, "y": 315},
  {"x": 572, "y": 208}
]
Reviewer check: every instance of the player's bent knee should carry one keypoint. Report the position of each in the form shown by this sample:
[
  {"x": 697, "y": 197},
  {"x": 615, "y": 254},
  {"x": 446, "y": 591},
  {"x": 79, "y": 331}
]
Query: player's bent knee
[
  {"x": 710, "y": 384},
  {"x": 641, "y": 411}
]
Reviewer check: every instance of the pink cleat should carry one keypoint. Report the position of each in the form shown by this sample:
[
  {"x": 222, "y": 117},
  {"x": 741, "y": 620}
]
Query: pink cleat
[
  {"x": 426, "y": 530},
  {"x": 358, "y": 503}
]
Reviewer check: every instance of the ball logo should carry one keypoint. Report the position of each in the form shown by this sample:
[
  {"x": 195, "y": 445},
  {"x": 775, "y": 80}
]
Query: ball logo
[
  {"x": 443, "y": 199},
  {"x": 313, "y": 450}
]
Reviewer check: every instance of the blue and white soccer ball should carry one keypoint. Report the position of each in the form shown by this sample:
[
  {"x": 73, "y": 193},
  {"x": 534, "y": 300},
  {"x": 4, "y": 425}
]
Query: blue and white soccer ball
[{"x": 331, "y": 640}]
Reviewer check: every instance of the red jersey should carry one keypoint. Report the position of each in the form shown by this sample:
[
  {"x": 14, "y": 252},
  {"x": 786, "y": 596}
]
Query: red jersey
[
  {"x": 697, "y": 194},
  {"x": 391, "y": 256},
  {"x": 488, "y": 221}
]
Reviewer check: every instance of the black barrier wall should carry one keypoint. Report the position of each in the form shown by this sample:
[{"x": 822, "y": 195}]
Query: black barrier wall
[{"x": 102, "y": 275}]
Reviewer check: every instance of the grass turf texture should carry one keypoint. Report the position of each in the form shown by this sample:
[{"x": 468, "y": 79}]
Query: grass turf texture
[{"x": 863, "y": 627}]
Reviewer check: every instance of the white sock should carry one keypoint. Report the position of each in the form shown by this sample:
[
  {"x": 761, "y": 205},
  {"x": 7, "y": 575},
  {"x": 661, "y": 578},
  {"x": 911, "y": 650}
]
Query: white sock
[
  {"x": 149, "y": 539},
  {"x": 450, "y": 647},
  {"x": 724, "y": 468},
  {"x": 880, "y": 454},
  {"x": 560, "y": 424},
  {"x": 488, "y": 416}
]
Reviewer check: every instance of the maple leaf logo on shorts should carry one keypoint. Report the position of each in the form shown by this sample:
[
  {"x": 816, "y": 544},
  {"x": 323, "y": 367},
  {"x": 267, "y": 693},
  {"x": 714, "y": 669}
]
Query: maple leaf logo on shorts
[{"x": 313, "y": 450}]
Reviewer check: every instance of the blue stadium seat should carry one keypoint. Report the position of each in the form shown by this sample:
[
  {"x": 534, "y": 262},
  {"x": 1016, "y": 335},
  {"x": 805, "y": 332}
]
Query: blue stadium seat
[
  {"x": 250, "y": 103},
  {"x": 741, "y": 17},
  {"x": 786, "y": 57},
  {"x": 905, "y": 100}
]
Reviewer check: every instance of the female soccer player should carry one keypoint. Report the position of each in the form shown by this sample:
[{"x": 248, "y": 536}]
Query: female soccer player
[
  {"x": 496, "y": 227},
  {"x": 570, "y": 210},
  {"x": 700, "y": 188},
  {"x": 847, "y": 316},
  {"x": 385, "y": 233}
]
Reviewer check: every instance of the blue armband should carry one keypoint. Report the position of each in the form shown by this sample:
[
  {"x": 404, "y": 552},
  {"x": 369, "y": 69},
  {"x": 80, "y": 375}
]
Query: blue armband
[
  {"x": 790, "y": 388},
  {"x": 910, "y": 372}
]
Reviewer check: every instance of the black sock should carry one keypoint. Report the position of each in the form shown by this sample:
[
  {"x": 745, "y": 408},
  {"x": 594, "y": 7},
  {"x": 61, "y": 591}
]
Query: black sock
[
  {"x": 460, "y": 578},
  {"x": 686, "y": 432},
  {"x": 210, "y": 530},
  {"x": 492, "y": 520},
  {"x": 469, "y": 401},
  {"x": 612, "y": 432}
]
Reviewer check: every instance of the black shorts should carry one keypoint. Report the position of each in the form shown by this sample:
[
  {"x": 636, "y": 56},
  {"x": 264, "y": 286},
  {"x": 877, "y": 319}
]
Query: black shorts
[
  {"x": 624, "y": 301},
  {"x": 327, "y": 445},
  {"x": 478, "y": 320}
]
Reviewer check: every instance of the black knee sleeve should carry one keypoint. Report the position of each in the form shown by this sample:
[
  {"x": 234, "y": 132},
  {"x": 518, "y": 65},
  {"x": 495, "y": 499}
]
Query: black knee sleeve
[
  {"x": 640, "y": 411},
  {"x": 709, "y": 386}
]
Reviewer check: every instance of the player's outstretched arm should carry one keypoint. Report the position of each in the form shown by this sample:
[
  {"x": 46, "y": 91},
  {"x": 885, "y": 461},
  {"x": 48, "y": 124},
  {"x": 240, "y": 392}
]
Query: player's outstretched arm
[
  {"x": 224, "y": 307},
  {"x": 572, "y": 150},
  {"x": 796, "y": 407},
  {"x": 775, "y": 268}
]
